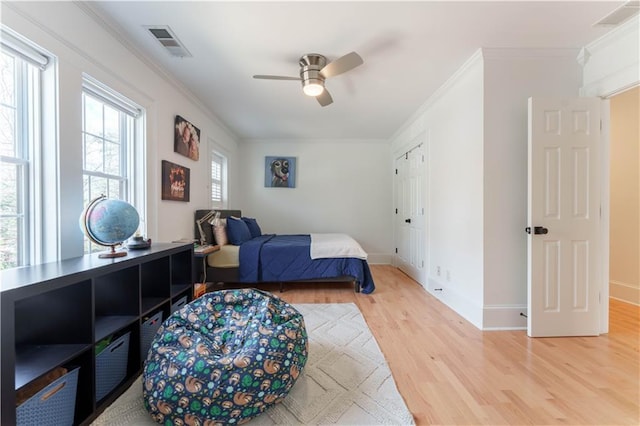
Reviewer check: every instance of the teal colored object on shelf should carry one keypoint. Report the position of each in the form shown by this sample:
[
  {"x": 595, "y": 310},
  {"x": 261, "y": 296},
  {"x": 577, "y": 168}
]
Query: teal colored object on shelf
[{"x": 102, "y": 344}]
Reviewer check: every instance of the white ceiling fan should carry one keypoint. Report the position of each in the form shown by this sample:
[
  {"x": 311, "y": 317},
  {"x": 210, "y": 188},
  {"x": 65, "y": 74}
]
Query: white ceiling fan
[{"x": 314, "y": 70}]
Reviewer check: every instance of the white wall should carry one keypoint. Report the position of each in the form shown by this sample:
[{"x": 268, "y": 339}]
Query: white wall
[
  {"x": 341, "y": 186},
  {"x": 81, "y": 45},
  {"x": 455, "y": 169},
  {"x": 511, "y": 76},
  {"x": 454, "y": 122},
  {"x": 477, "y": 175}
]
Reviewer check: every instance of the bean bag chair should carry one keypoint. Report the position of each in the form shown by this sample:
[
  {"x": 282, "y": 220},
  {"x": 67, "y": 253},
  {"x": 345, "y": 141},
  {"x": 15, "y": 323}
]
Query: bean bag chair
[{"x": 224, "y": 358}]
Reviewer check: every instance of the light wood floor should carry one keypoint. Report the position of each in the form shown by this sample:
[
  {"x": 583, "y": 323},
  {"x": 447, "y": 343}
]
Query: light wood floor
[{"x": 449, "y": 372}]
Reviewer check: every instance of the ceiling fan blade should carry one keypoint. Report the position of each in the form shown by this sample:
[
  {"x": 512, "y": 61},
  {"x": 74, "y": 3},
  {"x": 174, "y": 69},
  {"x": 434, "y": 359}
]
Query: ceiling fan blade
[
  {"x": 341, "y": 65},
  {"x": 324, "y": 98},
  {"x": 276, "y": 77}
]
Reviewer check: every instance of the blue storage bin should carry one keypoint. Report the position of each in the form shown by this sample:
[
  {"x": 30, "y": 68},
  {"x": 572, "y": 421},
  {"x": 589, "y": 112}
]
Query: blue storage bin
[
  {"x": 54, "y": 405},
  {"x": 179, "y": 304},
  {"x": 148, "y": 332},
  {"x": 111, "y": 366}
]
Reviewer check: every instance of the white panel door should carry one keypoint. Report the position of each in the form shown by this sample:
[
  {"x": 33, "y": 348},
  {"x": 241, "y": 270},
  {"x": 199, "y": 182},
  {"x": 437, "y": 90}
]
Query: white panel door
[
  {"x": 410, "y": 213},
  {"x": 563, "y": 217},
  {"x": 402, "y": 228}
]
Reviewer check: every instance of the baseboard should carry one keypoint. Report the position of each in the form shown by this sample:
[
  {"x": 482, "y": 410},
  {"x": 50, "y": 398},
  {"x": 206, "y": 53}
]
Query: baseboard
[
  {"x": 463, "y": 306},
  {"x": 625, "y": 292},
  {"x": 379, "y": 259},
  {"x": 504, "y": 317}
]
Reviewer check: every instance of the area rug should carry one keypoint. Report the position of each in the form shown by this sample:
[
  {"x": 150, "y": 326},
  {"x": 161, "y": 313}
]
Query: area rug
[{"x": 346, "y": 380}]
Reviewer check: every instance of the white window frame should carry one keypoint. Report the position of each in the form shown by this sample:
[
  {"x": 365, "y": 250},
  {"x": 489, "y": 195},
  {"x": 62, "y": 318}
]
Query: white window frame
[
  {"x": 217, "y": 158},
  {"x": 31, "y": 64},
  {"x": 132, "y": 177}
]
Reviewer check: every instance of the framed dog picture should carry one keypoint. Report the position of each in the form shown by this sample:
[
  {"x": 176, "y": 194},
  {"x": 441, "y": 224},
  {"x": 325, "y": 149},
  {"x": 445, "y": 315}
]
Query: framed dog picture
[
  {"x": 175, "y": 181},
  {"x": 280, "y": 172},
  {"x": 187, "y": 139}
]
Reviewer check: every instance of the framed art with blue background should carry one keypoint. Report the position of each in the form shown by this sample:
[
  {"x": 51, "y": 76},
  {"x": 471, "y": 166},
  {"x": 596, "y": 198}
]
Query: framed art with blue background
[{"x": 280, "y": 172}]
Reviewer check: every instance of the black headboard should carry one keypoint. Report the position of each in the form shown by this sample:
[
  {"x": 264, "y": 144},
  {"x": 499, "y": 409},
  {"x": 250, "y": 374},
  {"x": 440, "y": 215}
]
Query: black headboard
[{"x": 206, "y": 226}]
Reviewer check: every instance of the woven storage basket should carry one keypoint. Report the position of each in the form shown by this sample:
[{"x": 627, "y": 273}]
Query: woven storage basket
[
  {"x": 111, "y": 366},
  {"x": 54, "y": 405},
  {"x": 148, "y": 332},
  {"x": 179, "y": 304}
]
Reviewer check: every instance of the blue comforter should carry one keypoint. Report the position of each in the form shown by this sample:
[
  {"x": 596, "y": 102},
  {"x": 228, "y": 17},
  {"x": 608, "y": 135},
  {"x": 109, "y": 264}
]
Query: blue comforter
[{"x": 279, "y": 258}]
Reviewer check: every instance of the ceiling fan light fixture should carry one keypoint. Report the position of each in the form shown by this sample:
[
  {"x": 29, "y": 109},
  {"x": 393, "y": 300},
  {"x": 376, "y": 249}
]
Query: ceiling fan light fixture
[
  {"x": 313, "y": 87},
  {"x": 314, "y": 70}
]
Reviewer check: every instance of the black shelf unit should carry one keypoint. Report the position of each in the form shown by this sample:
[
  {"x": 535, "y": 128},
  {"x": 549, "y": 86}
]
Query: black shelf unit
[{"x": 54, "y": 314}]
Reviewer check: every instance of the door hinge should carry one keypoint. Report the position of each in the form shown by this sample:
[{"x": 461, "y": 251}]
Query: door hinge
[
  {"x": 406, "y": 156},
  {"x": 396, "y": 250},
  {"x": 396, "y": 211},
  {"x": 396, "y": 171}
]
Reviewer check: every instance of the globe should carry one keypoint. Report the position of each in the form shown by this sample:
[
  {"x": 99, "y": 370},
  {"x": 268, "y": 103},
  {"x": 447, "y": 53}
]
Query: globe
[{"x": 109, "y": 222}]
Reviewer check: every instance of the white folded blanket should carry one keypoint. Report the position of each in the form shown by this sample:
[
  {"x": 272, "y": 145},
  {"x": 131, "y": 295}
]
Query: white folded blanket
[{"x": 335, "y": 245}]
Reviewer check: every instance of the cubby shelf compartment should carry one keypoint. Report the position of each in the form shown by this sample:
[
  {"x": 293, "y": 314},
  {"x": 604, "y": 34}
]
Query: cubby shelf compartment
[
  {"x": 111, "y": 324},
  {"x": 35, "y": 360},
  {"x": 179, "y": 289},
  {"x": 151, "y": 303},
  {"x": 181, "y": 269},
  {"x": 53, "y": 315}
]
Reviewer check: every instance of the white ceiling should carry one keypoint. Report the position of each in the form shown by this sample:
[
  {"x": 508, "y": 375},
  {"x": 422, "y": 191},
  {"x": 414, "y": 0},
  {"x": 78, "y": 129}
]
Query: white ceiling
[{"x": 409, "y": 50}]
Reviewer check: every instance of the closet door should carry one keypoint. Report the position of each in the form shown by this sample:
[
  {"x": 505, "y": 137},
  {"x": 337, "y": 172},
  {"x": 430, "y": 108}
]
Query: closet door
[{"x": 410, "y": 217}]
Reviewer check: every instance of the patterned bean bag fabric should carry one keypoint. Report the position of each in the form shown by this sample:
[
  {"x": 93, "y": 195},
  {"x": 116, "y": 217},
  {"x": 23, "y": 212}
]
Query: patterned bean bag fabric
[{"x": 224, "y": 358}]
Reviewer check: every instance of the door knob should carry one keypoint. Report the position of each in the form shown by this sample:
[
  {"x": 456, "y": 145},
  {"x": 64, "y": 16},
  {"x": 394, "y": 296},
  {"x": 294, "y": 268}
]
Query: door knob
[
  {"x": 408, "y": 220},
  {"x": 537, "y": 230}
]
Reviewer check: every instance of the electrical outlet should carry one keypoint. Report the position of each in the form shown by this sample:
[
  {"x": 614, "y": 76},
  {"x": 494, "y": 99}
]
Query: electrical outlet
[
  {"x": 448, "y": 275},
  {"x": 437, "y": 270}
]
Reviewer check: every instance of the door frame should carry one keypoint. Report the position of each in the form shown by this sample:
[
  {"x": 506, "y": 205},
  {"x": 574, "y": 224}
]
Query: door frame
[
  {"x": 605, "y": 181},
  {"x": 605, "y": 194}
]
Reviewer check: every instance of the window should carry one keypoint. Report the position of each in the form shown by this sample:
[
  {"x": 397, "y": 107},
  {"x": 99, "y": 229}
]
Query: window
[
  {"x": 21, "y": 65},
  {"x": 218, "y": 179},
  {"x": 111, "y": 163}
]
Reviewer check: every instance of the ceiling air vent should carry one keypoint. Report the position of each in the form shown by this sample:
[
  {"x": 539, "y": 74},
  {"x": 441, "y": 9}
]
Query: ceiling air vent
[
  {"x": 168, "y": 40},
  {"x": 619, "y": 15}
]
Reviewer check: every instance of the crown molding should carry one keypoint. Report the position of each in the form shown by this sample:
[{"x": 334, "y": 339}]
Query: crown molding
[
  {"x": 446, "y": 86},
  {"x": 613, "y": 36}
]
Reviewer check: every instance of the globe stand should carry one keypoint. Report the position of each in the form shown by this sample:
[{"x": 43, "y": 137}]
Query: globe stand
[{"x": 113, "y": 253}]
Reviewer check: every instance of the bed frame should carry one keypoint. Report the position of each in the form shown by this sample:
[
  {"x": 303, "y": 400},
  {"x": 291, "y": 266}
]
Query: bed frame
[{"x": 230, "y": 275}]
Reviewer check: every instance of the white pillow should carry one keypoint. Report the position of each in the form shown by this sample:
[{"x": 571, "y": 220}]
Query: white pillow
[{"x": 220, "y": 232}]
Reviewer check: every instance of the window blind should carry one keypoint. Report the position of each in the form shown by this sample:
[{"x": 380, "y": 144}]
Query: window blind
[
  {"x": 108, "y": 96},
  {"x": 22, "y": 48}
]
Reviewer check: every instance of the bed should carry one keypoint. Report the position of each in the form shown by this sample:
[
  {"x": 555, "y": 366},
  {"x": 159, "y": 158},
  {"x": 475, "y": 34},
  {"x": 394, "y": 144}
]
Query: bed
[{"x": 283, "y": 259}]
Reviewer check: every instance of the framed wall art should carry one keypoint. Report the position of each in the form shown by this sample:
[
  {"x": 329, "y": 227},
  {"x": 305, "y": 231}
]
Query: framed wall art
[
  {"x": 175, "y": 181},
  {"x": 187, "y": 139},
  {"x": 280, "y": 172}
]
